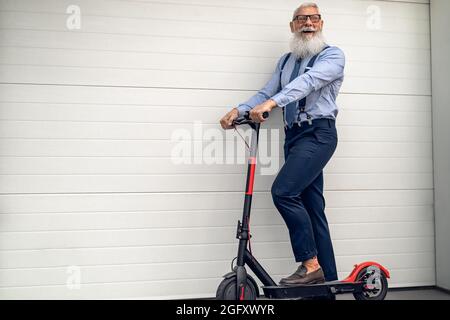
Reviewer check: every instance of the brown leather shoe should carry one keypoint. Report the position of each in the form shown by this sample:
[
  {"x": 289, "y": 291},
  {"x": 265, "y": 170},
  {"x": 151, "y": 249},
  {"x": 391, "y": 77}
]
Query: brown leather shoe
[
  {"x": 299, "y": 273},
  {"x": 301, "y": 277}
]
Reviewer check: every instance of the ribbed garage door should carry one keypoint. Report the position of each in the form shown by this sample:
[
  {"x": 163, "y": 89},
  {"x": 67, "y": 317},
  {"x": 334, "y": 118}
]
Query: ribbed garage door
[{"x": 92, "y": 204}]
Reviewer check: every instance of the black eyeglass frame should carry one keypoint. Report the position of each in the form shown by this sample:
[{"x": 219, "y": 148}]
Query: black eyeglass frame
[{"x": 307, "y": 16}]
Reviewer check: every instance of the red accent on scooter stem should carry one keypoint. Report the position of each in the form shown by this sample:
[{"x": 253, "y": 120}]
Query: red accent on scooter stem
[
  {"x": 242, "y": 294},
  {"x": 252, "y": 163},
  {"x": 359, "y": 267}
]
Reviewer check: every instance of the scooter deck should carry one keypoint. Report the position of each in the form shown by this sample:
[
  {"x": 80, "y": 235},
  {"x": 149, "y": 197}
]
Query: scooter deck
[{"x": 311, "y": 290}]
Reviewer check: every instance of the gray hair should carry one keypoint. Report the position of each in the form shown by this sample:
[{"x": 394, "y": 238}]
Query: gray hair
[{"x": 306, "y": 5}]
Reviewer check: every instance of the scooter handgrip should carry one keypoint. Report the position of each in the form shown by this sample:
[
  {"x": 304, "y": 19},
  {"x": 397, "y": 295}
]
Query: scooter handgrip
[{"x": 247, "y": 115}]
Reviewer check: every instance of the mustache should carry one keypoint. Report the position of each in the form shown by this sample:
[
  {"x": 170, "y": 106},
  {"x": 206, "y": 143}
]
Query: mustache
[{"x": 306, "y": 29}]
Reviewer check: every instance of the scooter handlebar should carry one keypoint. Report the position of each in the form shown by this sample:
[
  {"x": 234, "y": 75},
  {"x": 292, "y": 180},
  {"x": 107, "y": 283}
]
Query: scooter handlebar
[
  {"x": 246, "y": 118},
  {"x": 247, "y": 115}
]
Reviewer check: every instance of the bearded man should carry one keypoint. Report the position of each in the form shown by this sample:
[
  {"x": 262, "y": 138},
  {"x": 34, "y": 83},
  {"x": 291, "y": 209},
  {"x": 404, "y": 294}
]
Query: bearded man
[{"x": 305, "y": 85}]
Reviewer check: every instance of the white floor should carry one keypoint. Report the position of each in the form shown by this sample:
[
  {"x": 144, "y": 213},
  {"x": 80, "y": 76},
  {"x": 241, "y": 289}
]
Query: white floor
[{"x": 407, "y": 294}]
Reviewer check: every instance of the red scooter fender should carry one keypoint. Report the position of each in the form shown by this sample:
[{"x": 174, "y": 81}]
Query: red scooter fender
[{"x": 358, "y": 267}]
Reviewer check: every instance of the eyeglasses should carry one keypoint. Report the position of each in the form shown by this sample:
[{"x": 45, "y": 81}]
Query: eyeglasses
[{"x": 303, "y": 18}]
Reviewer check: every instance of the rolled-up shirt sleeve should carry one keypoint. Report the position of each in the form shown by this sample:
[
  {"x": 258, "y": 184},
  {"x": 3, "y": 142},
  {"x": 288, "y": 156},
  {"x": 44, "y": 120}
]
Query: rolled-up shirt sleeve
[
  {"x": 328, "y": 67},
  {"x": 272, "y": 87}
]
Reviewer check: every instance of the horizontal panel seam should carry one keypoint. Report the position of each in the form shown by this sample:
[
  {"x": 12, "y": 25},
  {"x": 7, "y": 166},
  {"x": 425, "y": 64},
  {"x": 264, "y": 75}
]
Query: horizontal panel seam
[
  {"x": 206, "y": 261},
  {"x": 209, "y": 244}
]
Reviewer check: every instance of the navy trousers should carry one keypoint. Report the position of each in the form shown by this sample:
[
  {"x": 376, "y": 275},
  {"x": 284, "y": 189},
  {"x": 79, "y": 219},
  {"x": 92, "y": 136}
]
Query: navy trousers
[{"x": 297, "y": 191}]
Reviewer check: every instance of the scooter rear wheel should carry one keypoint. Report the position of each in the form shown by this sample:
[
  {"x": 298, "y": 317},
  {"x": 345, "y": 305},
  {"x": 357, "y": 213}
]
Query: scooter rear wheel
[
  {"x": 379, "y": 286},
  {"x": 227, "y": 290}
]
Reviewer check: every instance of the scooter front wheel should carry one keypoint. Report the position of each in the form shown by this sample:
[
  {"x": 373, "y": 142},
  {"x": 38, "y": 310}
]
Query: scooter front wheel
[{"x": 227, "y": 290}]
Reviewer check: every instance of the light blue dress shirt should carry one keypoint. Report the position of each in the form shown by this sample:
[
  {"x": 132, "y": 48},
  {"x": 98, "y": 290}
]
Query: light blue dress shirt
[{"x": 320, "y": 85}]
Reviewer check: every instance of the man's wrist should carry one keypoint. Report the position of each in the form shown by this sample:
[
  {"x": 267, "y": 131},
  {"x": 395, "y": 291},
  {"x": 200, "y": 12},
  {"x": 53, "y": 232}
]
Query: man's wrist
[
  {"x": 239, "y": 110},
  {"x": 278, "y": 100},
  {"x": 272, "y": 104}
]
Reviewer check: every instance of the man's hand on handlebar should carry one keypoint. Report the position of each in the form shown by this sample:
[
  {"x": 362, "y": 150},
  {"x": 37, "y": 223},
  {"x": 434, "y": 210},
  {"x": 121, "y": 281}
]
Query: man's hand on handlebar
[
  {"x": 227, "y": 121},
  {"x": 256, "y": 114}
]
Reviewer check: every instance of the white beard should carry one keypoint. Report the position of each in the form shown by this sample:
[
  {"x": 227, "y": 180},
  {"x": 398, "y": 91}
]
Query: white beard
[{"x": 302, "y": 47}]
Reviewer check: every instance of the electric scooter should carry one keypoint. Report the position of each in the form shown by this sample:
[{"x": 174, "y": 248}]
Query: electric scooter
[{"x": 367, "y": 281}]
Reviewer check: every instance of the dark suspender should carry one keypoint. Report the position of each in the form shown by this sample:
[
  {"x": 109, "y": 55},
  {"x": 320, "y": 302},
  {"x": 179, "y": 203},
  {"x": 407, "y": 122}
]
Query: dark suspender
[
  {"x": 282, "y": 67},
  {"x": 285, "y": 60},
  {"x": 301, "y": 103}
]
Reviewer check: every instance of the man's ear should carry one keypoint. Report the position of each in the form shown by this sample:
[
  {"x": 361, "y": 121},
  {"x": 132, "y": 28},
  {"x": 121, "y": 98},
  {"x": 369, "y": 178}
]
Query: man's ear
[{"x": 291, "y": 25}]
